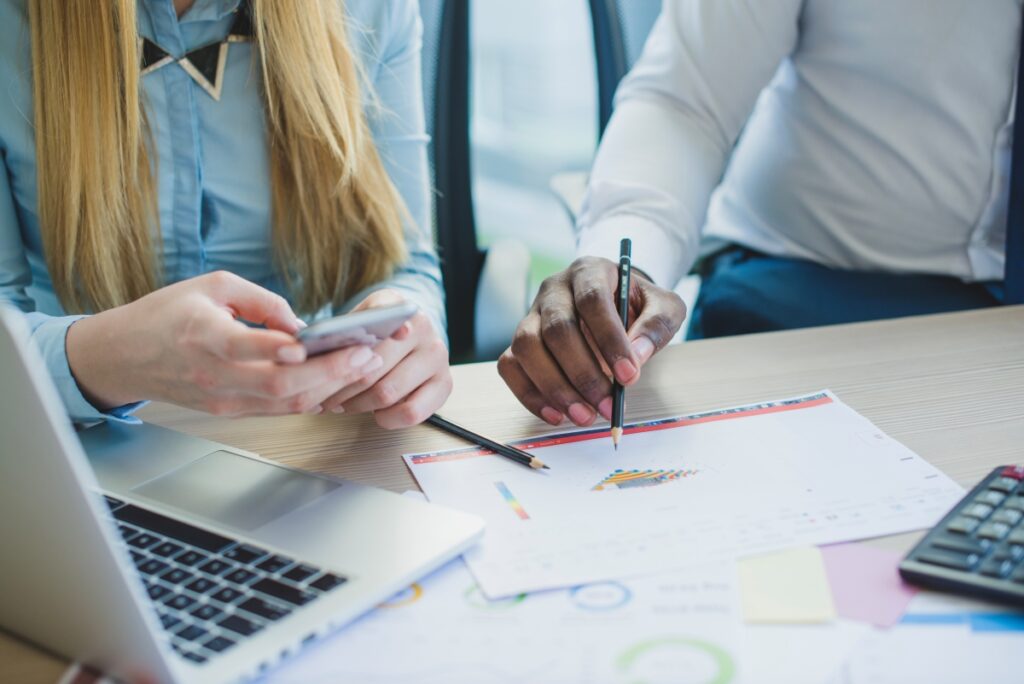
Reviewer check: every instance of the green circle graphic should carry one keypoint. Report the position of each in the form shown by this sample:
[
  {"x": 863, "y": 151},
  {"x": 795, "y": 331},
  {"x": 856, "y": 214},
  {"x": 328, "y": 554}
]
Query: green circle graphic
[
  {"x": 723, "y": 661},
  {"x": 475, "y": 598}
]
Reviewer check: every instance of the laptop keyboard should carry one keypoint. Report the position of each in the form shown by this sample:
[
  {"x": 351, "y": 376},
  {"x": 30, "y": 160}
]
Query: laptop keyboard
[{"x": 211, "y": 591}]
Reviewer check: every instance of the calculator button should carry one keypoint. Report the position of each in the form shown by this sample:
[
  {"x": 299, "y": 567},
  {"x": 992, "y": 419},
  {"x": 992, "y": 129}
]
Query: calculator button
[
  {"x": 962, "y": 525},
  {"x": 1016, "y": 472},
  {"x": 1015, "y": 502},
  {"x": 1016, "y": 537},
  {"x": 1008, "y": 516},
  {"x": 949, "y": 559},
  {"x": 993, "y": 530},
  {"x": 991, "y": 497},
  {"x": 1018, "y": 575},
  {"x": 978, "y": 510},
  {"x": 962, "y": 544},
  {"x": 1004, "y": 484},
  {"x": 996, "y": 568}
]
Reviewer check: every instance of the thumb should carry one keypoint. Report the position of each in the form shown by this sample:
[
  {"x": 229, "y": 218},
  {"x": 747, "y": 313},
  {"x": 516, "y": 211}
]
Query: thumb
[
  {"x": 660, "y": 317},
  {"x": 379, "y": 298},
  {"x": 251, "y": 302}
]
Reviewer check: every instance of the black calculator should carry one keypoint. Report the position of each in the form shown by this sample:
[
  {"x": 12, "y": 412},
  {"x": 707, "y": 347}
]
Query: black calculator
[{"x": 978, "y": 548}]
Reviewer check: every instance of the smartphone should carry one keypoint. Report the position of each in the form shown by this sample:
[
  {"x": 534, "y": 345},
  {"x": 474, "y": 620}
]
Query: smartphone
[{"x": 368, "y": 327}]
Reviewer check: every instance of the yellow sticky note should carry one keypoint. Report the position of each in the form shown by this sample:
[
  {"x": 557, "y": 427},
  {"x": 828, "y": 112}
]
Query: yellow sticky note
[{"x": 786, "y": 587}]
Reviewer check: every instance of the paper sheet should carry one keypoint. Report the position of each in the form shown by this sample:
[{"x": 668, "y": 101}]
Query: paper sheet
[
  {"x": 800, "y": 654},
  {"x": 684, "y": 491},
  {"x": 866, "y": 584},
  {"x": 678, "y": 628},
  {"x": 785, "y": 587},
  {"x": 942, "y": 640}
]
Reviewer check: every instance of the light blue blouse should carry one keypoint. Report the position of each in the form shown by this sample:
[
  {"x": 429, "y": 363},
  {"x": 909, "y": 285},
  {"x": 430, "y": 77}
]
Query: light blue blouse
[{"x": 212, "y": 168}]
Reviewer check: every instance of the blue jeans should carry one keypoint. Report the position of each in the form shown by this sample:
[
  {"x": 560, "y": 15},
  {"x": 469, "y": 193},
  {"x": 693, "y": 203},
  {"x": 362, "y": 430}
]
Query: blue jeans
[{"x": 748, "y": 292}]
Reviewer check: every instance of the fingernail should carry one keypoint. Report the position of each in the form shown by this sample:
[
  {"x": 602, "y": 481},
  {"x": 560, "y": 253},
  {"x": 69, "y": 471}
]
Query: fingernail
[
  {"x": 315, "y": 410},
  {"x": 360, "y": 357},
  {"x": 293, "y": 353},
  {"x": 605, "y": 408},
  {"x": 373, "y": 365},
  {"x": 643, "y": 348},
  {"x": 338, "y": 409},
  {"x": 625, "y": 370},
  {"x": 580, "y": 414},
  {"x": 551, "y": 415},
  {"x": 300, "y": 324}
]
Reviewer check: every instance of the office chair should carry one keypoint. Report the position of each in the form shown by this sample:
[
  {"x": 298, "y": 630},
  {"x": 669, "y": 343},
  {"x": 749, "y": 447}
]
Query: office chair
[
  {"x": 620, "y": 30},
  {"x": 487, "y": 290}
]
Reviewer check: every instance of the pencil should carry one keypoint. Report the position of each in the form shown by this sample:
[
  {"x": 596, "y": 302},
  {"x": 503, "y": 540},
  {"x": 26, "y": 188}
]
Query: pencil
[
  {"x": 509, "y": 452},
  {"x": 618, "y": 391}
]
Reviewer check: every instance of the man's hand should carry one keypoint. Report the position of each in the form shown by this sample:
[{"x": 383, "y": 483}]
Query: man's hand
[{"x": 572, "y": 341}]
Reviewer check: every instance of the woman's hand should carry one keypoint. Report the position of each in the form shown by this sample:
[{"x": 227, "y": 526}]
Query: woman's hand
[
  {"x": 184, "y": 344},
  {"x": 413, "y": 379}
]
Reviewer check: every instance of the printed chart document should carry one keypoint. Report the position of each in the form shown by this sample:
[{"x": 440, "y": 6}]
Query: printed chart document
[
  {"x": 943, "y": 639},
  {"x": 679, "y": 628},
  {"x": 684, "y": 491}
]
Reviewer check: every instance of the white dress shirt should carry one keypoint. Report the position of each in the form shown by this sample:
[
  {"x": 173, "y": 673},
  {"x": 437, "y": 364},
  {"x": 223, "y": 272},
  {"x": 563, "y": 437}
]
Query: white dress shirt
[{"x": 875, "y": 136}]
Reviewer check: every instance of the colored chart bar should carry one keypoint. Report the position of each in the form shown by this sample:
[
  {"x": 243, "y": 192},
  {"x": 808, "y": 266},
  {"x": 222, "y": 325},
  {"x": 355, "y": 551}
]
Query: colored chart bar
[
  {"x": 512, "y": 501},
  {"x": 626, "y": 479}
]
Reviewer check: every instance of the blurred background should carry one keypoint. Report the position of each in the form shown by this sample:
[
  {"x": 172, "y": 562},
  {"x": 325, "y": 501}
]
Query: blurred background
[
  {"x": 533, "y": 115},
  {"x": 516, "y": 94}
]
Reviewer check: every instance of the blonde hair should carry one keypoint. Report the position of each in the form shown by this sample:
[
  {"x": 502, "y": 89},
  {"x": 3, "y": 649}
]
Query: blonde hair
[{"x": 337, "y": 218}]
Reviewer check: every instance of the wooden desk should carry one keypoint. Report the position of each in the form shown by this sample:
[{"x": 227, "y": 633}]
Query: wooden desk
[{"x": 950, "y": 387}]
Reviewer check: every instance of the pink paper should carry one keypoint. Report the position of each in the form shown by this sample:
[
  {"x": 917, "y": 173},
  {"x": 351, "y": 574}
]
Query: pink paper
[{"x": 866, "y": 585}]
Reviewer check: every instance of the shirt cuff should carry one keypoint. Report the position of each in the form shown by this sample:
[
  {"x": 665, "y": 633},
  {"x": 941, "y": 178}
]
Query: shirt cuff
[
  {"x": 50, "y": 338},
  {"x": 655, "y": 251}
]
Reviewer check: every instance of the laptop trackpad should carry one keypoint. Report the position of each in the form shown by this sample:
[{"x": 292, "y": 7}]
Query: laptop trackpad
[{"x": 234, "y": 490}]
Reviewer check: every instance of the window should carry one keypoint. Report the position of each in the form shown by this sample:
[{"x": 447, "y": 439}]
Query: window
[{"x": 534, "y": 115}]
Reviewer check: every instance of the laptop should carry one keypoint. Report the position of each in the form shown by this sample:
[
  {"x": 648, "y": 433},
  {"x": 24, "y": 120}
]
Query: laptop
[{"x": 156, "y": 556}]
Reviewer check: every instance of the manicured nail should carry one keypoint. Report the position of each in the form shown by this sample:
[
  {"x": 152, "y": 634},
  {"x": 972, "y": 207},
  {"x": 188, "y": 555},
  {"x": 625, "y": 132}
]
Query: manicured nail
[
  {"x": 375, "y": 364},
  {"x": 360, "y": 357},
  {"x": 315, "y": 410},
  {"x": 300, "y": 324},
  {"x": 293, "y": 353},
  {"x": 580, "y": 414},
  {"x": 551, "y": 415},
  {"x": 338, "y": 409},
  {"x": 605, "y": 408},
  {"x": 643, "y": 348},
  {"x": 625, "y": 370}
]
